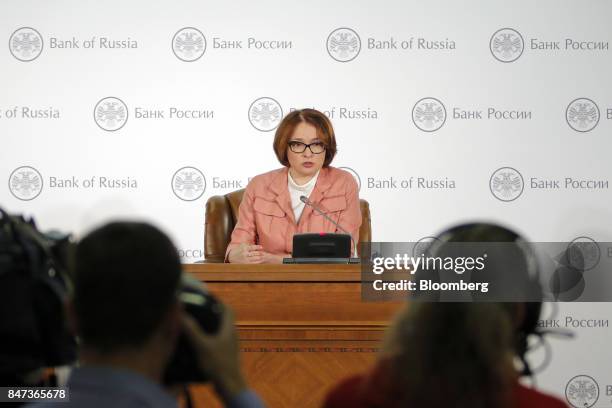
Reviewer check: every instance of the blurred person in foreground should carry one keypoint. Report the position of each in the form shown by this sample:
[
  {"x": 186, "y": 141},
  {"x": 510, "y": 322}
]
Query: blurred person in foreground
[
  {"x": 441, "y": 354},
  {"x": 128, "y": 316}
]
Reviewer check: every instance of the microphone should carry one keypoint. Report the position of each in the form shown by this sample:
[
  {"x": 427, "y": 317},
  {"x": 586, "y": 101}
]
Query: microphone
[{"x": 306, "y": 201}]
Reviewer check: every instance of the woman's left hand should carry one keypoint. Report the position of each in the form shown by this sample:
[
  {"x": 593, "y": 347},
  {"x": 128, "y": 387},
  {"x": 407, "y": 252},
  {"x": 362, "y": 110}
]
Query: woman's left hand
[{"x": 273, "y": 258}]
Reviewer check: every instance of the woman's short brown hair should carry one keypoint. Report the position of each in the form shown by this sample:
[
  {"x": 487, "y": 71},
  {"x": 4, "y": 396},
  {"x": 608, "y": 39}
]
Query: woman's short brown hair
[{"x": 325, "y": 133}]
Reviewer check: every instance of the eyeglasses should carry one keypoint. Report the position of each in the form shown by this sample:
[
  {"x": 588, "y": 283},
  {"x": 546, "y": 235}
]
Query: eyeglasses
[{"x": 299, "y": 147}]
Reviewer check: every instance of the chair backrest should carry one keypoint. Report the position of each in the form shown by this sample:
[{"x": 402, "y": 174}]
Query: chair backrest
[{"x": 222, "y": 213}]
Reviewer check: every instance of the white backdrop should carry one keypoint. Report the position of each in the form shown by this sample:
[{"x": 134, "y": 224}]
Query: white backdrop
[{"x": 74, "y": 159}]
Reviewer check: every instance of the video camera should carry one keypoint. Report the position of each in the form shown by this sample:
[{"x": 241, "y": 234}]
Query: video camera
[
  {"x": 34, "y": 283},
  {"x": 207, "y": 311}
]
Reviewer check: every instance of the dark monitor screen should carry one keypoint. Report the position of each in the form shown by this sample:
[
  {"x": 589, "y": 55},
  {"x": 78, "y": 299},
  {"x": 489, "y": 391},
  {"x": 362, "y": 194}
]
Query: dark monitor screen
[{"x": 321, "y": 245}]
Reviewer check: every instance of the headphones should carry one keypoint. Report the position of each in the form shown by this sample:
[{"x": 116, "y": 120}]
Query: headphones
[{"x": 480, "y": 232}]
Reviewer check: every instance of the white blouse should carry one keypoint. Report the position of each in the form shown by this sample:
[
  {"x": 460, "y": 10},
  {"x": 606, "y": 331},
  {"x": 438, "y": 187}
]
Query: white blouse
[{"x": 296, "y": 191}]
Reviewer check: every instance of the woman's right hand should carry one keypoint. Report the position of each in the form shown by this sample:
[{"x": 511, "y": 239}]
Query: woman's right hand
[{"x": 246, "y": 253}]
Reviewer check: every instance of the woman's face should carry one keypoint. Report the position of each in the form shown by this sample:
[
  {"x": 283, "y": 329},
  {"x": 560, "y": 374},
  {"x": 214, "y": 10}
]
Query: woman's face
[{"x": 306, "y": 164}]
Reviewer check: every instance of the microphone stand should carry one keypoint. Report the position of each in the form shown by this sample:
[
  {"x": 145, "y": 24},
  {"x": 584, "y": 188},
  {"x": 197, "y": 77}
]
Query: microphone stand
[{"x": 306, "y": 201}]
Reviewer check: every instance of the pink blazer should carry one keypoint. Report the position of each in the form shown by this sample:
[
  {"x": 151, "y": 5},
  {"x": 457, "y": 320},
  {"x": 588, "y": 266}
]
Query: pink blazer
[{"x": 265, "y": 215}]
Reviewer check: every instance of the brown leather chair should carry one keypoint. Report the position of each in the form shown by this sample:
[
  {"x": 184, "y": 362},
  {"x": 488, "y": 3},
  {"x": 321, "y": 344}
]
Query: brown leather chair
[{"x": 222, "y": 213}]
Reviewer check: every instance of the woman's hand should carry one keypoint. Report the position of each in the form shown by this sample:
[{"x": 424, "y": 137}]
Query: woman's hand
[
  {"x": 274, "y": 258},
  {"x": 254, "y": 254},
  {"x": 246, "y": 253}
]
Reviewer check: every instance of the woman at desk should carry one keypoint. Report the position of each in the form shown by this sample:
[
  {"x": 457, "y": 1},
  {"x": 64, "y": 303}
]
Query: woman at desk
[{"x": 271, "y": 211}]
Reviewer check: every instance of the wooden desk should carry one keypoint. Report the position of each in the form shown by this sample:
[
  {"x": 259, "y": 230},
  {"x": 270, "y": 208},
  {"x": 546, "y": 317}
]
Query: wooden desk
[{"x": 302, "y": 327}]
